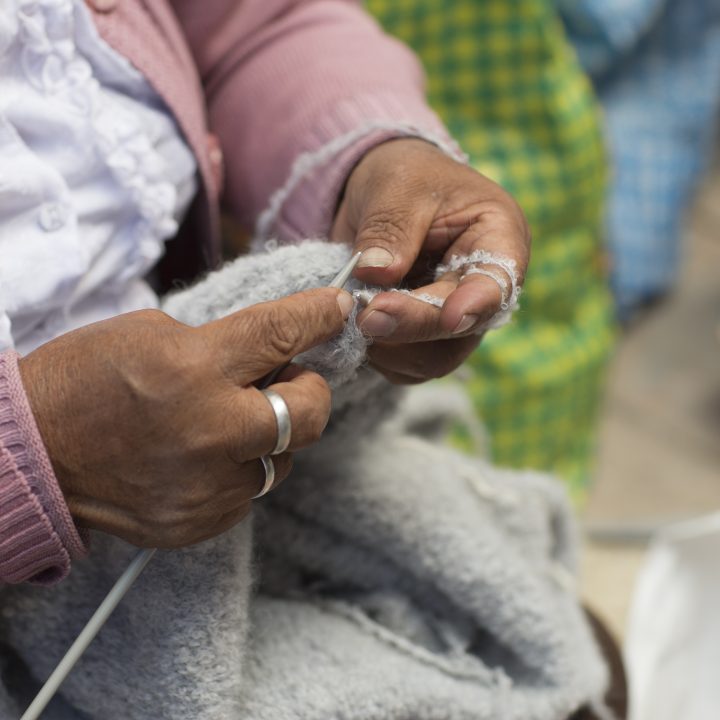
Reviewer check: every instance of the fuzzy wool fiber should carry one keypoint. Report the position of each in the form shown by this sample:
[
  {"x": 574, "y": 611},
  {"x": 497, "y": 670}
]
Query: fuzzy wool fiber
[{"x": 388, "y": 578}]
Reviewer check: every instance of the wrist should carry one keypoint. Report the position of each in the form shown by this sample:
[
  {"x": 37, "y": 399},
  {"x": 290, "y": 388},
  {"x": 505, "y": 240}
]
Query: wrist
[{"x": 32, "y": 472}]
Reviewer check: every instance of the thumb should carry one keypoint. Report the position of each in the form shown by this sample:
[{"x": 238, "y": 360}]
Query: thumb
[
  {"x": 390, "y": 202},
  {"x": 252, "y": 342},
  {"x": 391, "y": 231}
]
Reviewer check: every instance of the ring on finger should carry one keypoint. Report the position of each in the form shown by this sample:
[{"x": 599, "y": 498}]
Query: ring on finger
[
  {"x": 269, "y": 467},
  {"x": 282, "y": 420},
  {"x": 461, "y": 263},
  {"x": 499, "y": 279}
]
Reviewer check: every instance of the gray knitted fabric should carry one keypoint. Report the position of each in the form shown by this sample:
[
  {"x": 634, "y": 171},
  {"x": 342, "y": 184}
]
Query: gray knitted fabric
[{"x": 389, "y": 578}]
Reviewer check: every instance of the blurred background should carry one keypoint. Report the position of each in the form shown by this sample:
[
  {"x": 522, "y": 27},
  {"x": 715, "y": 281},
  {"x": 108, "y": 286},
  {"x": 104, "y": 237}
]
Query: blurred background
[{"x": 659, "y": 436}]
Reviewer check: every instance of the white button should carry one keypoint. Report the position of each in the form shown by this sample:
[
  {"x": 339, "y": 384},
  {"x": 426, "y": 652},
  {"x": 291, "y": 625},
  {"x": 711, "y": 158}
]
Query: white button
[{"x": 52, "y": 216}]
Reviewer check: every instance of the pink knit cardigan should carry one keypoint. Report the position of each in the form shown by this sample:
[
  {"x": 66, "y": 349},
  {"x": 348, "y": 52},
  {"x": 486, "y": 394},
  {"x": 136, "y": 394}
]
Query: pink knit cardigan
[{"x": 278, "y": 100}]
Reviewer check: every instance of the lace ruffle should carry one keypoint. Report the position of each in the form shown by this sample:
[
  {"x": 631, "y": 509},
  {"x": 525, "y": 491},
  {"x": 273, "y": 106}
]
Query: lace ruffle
[{"x": 53, "y": 66}]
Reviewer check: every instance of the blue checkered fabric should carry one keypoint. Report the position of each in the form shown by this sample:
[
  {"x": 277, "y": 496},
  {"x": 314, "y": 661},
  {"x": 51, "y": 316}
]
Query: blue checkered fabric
[{"x": 656, "y": 68}]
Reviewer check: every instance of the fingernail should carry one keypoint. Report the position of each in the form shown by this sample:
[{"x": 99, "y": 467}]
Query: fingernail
[
  {"x": 346, "y": 302},
  {"x": 375, "y": 257},
  {"x": 466, "y": 323},
  {"x": 378, "y": 324}
]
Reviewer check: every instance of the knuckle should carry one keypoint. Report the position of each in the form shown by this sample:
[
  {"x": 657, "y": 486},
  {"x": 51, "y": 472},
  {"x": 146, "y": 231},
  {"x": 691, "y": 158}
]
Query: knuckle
[
  {"x": 284, "y": 330},
  {"x": 150, "y": 315},
  {"x": 154, "y": 317},
  {"x": 384, "y": 224}
]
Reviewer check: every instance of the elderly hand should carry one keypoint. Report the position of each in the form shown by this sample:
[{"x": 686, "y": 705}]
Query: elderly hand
[
  {"x": 409, "y": 207},
  {"x": 154, "y": 428}
]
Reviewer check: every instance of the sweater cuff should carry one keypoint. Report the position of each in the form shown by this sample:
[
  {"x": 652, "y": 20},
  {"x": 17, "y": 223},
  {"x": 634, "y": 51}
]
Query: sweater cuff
[
  {"x": 38, "y": 538},
  {"x": 305, "y": 205}
]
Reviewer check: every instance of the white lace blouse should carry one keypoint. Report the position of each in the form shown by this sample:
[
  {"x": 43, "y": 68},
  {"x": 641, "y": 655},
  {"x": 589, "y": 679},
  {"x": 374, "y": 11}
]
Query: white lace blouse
[{"x": 94, "y": 175}]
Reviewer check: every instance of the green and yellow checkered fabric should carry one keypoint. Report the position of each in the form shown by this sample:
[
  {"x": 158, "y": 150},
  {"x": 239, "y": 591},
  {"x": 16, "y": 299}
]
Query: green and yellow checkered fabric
[{"x": 506, "y": 82}]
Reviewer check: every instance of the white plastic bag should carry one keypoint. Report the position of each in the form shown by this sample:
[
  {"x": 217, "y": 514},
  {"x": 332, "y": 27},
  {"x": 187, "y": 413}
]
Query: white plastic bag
[{"x": 673, "y": 639}]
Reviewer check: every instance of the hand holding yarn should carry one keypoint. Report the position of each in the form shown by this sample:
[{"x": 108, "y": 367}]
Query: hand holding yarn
[
  {"x": 155, "y": 428},
  {"x": 413, "y": 210}
]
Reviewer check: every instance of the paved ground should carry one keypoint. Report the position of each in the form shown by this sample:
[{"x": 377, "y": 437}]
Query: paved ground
[{"x": 659, "y": 456}]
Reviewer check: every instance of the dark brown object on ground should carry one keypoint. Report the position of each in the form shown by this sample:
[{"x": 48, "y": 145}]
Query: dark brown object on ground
[{"x": 617, "y": 694}]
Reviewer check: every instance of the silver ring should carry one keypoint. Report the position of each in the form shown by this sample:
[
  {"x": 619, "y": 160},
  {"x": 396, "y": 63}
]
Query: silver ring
[
  {"x": 282, "y": 418},
  {"x": 269, "y": 467}
]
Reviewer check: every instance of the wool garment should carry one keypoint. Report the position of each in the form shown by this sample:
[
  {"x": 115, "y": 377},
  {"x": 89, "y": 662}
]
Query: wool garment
[{"x": 388, "y": 577}]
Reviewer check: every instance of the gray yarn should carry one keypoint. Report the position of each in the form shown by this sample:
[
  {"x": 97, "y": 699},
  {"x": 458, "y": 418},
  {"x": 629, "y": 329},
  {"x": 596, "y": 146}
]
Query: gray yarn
[
  {"x": 267, "y": 275},
  {"x": 393, "y": 577}
]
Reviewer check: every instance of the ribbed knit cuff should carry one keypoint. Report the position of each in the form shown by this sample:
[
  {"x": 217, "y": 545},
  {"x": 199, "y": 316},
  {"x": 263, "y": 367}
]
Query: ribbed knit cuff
[
  {"x": 305, "y": 205},
  {"x": 38, "y": 538}
]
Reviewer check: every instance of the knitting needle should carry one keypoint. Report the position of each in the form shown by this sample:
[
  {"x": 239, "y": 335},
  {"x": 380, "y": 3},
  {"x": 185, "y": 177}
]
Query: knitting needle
[
  {"x": 137, "y": 565},
  {"x": 344, "y": 275},
  {"x": 337, "y": 282},
  {"x": 88, "y": 633}
]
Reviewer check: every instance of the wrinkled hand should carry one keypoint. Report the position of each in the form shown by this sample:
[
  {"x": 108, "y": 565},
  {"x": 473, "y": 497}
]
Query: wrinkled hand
[
  {"x": 409, "y": 207},
  {"x": 154, "y": 428}
]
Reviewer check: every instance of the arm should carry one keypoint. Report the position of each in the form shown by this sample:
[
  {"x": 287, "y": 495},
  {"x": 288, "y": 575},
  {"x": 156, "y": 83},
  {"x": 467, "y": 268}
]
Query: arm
[
  {"x": 311, "y": 78},
  {"x": 155, "y": 428},
  {"x": 303, "y": 95}
]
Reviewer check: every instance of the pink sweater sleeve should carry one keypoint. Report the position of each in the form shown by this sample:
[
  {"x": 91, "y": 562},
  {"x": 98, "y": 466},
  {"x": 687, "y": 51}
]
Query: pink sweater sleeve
[
  {"x": 297, "y": 91},
  {"x": 38, "y": 537}
]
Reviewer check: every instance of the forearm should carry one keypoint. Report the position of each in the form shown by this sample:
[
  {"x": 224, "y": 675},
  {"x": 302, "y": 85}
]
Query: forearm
[{"x": 297, "y": 93}]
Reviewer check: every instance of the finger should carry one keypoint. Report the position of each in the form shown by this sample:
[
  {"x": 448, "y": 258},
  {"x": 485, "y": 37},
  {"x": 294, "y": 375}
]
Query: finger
[
  {"x": 253, "y": 341},
  {"x": 308, "y": 399},
  {"x": 398, "y": 318},
  {"x": 243, "y": 483},
  {"x": 500, "y": 231},
  {"x": 397, "y": 378},
  {"x": 255, "y": 430},
  {"x": 423, "y": 361},
  {"x": 497, "y": 225},
  {"x": 231, "y": 506},
  {"x": 474, "y": 301}
]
